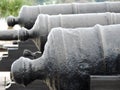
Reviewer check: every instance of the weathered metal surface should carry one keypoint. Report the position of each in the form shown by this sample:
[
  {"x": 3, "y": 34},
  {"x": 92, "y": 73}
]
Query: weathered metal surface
[
  {"x": 45, "y": 23},
  {"x": 71, "y": 56},
  {"x": 28, "y": 14}
]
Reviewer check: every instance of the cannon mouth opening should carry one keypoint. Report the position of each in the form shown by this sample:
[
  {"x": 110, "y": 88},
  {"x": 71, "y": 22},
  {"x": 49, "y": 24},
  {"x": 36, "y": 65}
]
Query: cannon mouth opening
[{"x": 20, "y": 71}]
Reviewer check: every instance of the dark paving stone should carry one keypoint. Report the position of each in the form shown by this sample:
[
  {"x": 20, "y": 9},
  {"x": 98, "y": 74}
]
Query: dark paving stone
[
  {"x": 105, "y": 83},
  {"x": 36, "y": 85},
  {"x": 5, "y": 63}
]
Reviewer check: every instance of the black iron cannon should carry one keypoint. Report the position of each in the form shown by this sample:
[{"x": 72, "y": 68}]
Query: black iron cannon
[
  {"x": 45, "y": 23},
  {"x": 71, "y": 56},
  {"x": 28, "y": 14}
]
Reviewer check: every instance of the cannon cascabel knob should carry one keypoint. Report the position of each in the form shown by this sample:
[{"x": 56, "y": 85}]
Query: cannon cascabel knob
[{"x": 11, "y": 21}]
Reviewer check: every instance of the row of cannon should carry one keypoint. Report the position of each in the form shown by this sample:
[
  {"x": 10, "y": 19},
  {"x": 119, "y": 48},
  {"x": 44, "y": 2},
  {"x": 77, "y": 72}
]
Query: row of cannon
[{"x": 73, "y": 45}]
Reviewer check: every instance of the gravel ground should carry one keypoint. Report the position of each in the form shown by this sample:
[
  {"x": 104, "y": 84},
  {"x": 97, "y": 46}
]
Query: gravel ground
[
  {"x": 4, "y": 79},
  {"x": 5, "y": 76}
]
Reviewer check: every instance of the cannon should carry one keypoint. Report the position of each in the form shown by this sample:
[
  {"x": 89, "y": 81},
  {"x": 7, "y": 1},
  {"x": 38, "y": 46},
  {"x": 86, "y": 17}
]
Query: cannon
[
  {"x": 71, "y": 56},
  {"x": 45, "y": 23},
  {"x": 28, "y": 14}
]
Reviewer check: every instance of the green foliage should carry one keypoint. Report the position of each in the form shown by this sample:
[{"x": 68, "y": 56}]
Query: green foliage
[
  {"x": 47, "y": 1},
  {"x": 12, "y": 7}
]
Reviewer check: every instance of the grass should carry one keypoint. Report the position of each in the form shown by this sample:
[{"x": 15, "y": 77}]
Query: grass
[{"x": 12, "y": 7}]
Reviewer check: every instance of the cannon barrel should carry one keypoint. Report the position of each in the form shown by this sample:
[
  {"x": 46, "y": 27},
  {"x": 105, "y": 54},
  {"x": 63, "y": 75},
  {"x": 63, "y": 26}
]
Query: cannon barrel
[
  {"x": 71, "y": 56},
  {"x": 7, "y": 35},
  {"x": 45, "y": 23},
  {"x": 28, "y": 14}
]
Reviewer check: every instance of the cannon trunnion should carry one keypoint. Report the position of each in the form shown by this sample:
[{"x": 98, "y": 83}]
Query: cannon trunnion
[
  {"x": 28, "y": 14},
  {"x": 71, "y": 56}
]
